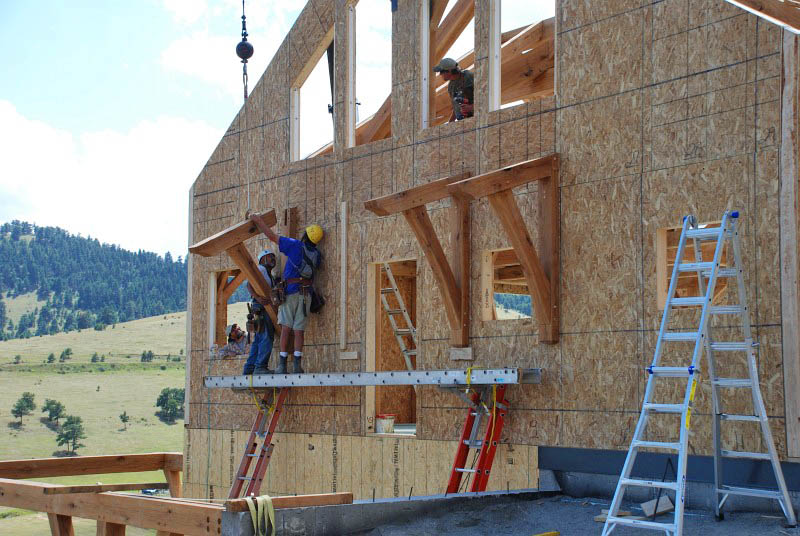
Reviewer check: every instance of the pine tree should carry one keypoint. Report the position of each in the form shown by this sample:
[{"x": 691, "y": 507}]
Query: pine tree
[{"x": 71, "y": 433}]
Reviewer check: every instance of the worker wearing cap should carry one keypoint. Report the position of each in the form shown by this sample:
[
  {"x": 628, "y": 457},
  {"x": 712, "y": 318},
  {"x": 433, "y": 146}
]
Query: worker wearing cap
[
  {"x": 460, "y": 87},
  {"x": 302, "y": 260},
  {"x": 258, "y": 360}
]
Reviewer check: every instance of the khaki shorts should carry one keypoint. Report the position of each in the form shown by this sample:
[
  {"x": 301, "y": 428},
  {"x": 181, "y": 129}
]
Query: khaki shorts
[{"x": 294, "y": 311}]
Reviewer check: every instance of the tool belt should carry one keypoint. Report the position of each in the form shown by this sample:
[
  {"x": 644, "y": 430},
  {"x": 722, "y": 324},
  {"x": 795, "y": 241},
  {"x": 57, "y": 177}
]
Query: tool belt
[
  {"x": 300, "y": 281},
  {"x": 278, "y": 294},
  {"x": 257, "y": 318}
]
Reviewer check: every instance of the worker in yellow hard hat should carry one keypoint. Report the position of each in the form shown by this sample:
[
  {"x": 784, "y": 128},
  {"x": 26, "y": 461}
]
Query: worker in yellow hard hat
[{"x": 302, "y": 260}]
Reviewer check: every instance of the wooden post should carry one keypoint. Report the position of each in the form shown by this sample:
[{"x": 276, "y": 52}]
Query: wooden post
[
  {"x": 790, "y": 278},
  {"x": 460, "y": 240},
  {"x": 343, "y": 279},
  {"x": 113, "y": 529},
  {"x": 60, "y": 525}
]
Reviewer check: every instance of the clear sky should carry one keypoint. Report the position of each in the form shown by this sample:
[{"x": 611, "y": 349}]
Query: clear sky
[{"x": 109, "y": 110}]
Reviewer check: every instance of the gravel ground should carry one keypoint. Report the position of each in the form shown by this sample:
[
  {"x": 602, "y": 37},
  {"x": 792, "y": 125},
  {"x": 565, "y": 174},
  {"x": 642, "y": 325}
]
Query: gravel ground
[{"x": 574, "y": 517}]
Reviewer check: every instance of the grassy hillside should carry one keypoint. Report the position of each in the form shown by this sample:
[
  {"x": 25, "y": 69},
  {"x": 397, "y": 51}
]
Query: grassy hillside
[{"x": 24, "y": 303}]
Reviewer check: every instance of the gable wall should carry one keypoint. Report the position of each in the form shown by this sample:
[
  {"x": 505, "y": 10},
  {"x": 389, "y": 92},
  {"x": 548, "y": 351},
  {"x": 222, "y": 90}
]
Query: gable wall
[{"x": 663, "y": 108}]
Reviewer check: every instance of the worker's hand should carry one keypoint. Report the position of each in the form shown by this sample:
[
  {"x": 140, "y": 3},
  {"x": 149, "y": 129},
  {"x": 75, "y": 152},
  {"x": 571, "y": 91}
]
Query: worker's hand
[
  {"x": 467, "y": 108},
  {"x": 262, "y": 300}
]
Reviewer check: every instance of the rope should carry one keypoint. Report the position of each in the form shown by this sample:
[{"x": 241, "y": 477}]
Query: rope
[{"x": 262, "y": 514}]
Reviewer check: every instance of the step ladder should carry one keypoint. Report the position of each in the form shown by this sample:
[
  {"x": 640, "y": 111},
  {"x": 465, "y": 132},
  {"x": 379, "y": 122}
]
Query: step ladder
[
  {"x": 259, "y": 445},
  {"x": 708, "y": 272},
  {"x": 485, "y": 403},
  {"x": 400, "y": 310}
]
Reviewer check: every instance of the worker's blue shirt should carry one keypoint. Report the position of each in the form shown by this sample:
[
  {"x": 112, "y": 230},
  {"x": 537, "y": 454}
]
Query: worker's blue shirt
[{"x": 293, "y": 249}]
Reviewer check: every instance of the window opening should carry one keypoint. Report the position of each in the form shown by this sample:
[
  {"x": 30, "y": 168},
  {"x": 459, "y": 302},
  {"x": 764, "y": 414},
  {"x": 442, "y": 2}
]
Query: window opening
[
  {"x": 229, "y": 297},
  {"x": 667, "y": 239},
  {"x": 504, "y": 289},
  {"x": 311, "y": 118},
  {"x": 521, "y": 52},
  {"x": 373, "y": 71},
  {"x": 449, "y": 35}
]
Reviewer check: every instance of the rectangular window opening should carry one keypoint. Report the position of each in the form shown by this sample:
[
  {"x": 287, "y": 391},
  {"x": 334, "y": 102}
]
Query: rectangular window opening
[
  {"x": 372, "y": 69},
  {"x": 449, "y": 35},
  {"x": 521, "y": 52},
  {"x": 667, "y": 239},
  {"x": 311, "y": 119},
  {"x": 504, "y": 289},
  {"x": 395, "y": 404},
  {"x": 228, "y": 296}
]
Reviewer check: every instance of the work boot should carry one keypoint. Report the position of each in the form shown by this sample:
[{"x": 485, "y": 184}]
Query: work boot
[
  {"x": 297, "y": 369},
  {"x": 282, "y": 364},
  {"x": 262, "y": 370}
]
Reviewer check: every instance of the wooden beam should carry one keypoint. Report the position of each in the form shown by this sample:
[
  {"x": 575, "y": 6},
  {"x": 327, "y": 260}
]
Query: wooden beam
[
  {"x": 241, "y": 257},
  {"x": 174, "y": 482},
  {"x": 90, "y": 465},
  {"x": 789, "y": 239},
  {"x": 413, "y": 197},
  {"x": 404, "y": 268},
  {"x": 175, "y": 516},
  {"x": 453, "y": 26},
  {"x": 503, "y": 179},
  {"x": 99, "y": 488},
  {"x": 220, "y": 308},
  {"x": 775, "y": 11},
  {"x": 343, "y": 230},
  {"x": 550, "y": 246},
  {"x": 421, "y": 225},
  {"x": 508, "y": 272},
  {"x": 504, "y": 257},
  {"x": 460, "y": 242},
  {"x": 231, "y": 236},
  {"x": 231, "y": 286},
  {"x": 297, "y": 501},
  {"x": 505, "y": 208},
  {"x": 60, "y": 525},
  {"x": 110, "y": 529}
]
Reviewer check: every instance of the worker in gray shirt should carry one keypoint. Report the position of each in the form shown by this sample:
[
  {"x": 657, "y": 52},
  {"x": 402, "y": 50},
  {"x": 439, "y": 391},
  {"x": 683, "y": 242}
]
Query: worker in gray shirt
[{"x": 460, "y": 87}]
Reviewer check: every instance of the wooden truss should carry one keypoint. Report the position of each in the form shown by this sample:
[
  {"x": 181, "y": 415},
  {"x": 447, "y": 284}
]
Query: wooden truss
[
  {"x": 540, "y": 269},
  {"x": 783, "y": 12},
  {"x": 231, "y": 241},
  {"x": 527, "y": 67},
  {"x": 170, "y": 516},
  {"x": 452, "y": 280}
]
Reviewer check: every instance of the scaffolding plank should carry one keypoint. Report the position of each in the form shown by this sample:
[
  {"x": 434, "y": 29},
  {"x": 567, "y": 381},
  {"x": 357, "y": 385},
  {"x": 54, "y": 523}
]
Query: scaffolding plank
[{"x": 396, "y": 377}]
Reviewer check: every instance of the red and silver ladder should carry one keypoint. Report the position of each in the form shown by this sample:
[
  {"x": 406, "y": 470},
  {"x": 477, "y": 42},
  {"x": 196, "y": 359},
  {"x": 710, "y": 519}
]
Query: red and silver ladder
[
  {"x": 259, "y": 445},
  {"x": 492, "y": 408}
]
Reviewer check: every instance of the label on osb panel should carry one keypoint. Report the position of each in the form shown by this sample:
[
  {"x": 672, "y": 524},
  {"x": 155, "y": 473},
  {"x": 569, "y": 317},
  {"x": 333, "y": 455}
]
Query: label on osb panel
[
  {"x": 348, "y": 355},
  {"x": 461, "y": 354}
]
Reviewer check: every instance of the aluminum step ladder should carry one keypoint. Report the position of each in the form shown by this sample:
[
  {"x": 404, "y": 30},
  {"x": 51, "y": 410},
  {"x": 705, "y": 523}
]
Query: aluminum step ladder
[
  {"x": 708, "y": 273},
  {"x": 399, "y": 332},
  {"x": 482, "y": 406},
  {"x": 259, "y": 445}
]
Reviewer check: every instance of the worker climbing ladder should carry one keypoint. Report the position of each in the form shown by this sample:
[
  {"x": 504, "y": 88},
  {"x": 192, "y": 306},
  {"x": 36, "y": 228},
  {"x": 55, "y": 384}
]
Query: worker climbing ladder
[
  {"x": 400, "y": 310},
  {"x": 708, "y": 273}
]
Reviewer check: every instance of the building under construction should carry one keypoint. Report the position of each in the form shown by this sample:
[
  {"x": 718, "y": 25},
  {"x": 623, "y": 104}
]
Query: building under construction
[{"x": 594, "y": 133}]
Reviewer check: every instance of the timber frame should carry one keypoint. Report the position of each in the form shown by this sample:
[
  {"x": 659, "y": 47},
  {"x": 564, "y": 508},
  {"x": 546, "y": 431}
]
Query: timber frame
[
  {"x": 541, "y": 270},
  {"x": 453, "y": 280},
  {"x": 169, "y": 516},
  {"x": 231, "y": 241}
]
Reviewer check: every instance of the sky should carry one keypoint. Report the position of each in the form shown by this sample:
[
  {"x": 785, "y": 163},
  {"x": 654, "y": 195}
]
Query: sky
[{"x": 109, "y": 110}]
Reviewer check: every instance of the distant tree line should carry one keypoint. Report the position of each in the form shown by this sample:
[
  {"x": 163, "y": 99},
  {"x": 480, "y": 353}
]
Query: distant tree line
[
  {"x": 84, "y": 284},
  {"x": 515, "y": 302}
]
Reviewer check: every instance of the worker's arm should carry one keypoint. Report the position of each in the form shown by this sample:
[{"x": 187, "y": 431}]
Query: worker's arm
[
  {"x": 268, "y": 232},
  {"x": 260, "y": 299}
]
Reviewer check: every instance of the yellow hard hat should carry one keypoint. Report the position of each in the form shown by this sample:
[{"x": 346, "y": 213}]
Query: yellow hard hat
[{"x": 314, "y": 233}]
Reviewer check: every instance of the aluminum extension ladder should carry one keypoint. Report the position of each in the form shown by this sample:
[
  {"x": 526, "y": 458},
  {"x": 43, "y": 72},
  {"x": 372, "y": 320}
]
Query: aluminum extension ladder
[
  {"x": 400, "y": 310},
  {"x": 708, "y": 272},
  {"x": 481, "y": 407},
  {"x": 259, "y": 445}
]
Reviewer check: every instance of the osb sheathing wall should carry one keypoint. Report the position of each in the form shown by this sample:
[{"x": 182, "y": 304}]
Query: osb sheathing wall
[{"x": 662, "y": 109}]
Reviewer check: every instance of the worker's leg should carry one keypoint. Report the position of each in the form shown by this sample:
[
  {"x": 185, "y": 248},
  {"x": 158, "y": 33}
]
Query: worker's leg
[
  {"x": 285, "y": 330},
  {"x": 285, "y": 321},
  {"x": 264, "y": 351},
  {"x": 250, "y": 364},
  {"x": 299, "y": 326},
  {"x": 298, "y": 340}
]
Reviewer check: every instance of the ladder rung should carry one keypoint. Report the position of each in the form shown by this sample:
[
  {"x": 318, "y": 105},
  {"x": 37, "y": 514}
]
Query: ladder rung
[
  {"x": 695, "y": 266},
  {"x": 732, "y": 382},
  {"x": 459, "y": 470},
  {"x": 725, "y": 309},
  {"x": 680, "y": 336},
  {"x": 244, "y": 478},
  {"x": 671, "y": 372},
  {"x": 663, "y": 408},
  {"x": 403, "y": 332},
  {"x": 387, "y": 291},
  {"x": 253, "y": 455},
  {"x": 395, "y": 311},
  {"x": 655, "y": 445},
  {"x": 648, "y": 483},
  {"x": 706, "y": 233},
  {"x": 743, "y": 454},
  {"x": 730, "y": 346},
  {"x": 746, "y": 418},
  {"x": 688, "y": 302},
  {"x": 473, "y": 444},
  {"x": 723, "y": 272},
  {"x": 410, "y": 352},
  {"x": 752, "y": 492},
  {"x": 669, "y": 528}
]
